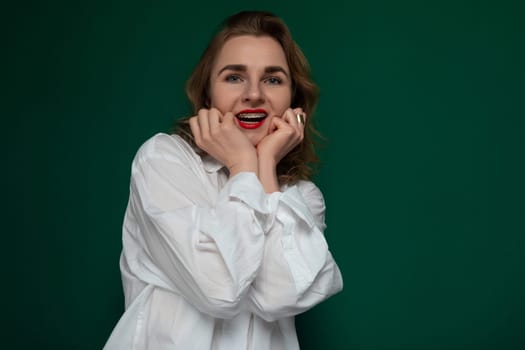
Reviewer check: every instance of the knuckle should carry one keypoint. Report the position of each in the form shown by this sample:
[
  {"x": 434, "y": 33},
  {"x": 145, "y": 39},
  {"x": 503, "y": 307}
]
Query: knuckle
[{"x": 203, "y": 113}]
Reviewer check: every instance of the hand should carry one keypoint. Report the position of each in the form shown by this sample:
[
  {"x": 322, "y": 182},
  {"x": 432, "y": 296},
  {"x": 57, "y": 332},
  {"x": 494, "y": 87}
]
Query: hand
[
  {"x": 284, "y": 134},
  {"x": 220, "y": 137}
]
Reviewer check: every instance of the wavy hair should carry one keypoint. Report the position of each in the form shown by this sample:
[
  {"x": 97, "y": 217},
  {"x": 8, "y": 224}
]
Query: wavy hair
[{"x": 299, "y": 163}]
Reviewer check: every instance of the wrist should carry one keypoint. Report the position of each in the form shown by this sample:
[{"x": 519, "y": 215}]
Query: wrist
[
  {"x": 247, "y": 163},
  {"x": 267, "y": 161},
  {"x": 268, "y": 174}
]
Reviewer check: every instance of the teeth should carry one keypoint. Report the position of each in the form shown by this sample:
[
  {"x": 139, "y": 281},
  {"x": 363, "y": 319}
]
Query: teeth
[{"x": 251, "y": 117}]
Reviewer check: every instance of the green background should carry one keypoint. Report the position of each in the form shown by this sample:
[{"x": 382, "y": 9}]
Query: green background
[{"x": 422, "y": 170}]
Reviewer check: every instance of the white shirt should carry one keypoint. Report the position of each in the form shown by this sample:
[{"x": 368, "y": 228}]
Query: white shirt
[{"x": 215, "y": 263}]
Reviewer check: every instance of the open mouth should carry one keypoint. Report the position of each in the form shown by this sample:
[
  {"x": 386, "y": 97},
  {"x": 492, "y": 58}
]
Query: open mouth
[{"x": 251, "y": 119}]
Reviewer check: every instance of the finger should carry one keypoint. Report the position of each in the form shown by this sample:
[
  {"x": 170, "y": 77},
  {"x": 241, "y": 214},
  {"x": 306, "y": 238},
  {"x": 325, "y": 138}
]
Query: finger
[
  {"x": 228, "y": 118},
  {"x": 202, "y": 118},
  {"x": 294, "y": 134},
  {"x": 214, "y": 117},
  {"x": 300, "y": 116},
  {"x": 289, "y": 117},
  {"x": 204, "y": 124},
  {"x": 273, "y": 124},
  {"x": 195, "y": 129},
  {"x": 296, "y": 119},
  {"x": 282, "y": 123}
]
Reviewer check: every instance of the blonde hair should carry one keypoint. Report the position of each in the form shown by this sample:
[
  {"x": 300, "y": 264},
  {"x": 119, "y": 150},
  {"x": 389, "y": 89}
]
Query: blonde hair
[{"x": 297, "y": 164}]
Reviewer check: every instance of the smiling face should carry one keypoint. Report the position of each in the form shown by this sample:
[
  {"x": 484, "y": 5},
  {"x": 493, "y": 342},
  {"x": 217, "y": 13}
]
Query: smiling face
[{"x": 250, "y": 78}]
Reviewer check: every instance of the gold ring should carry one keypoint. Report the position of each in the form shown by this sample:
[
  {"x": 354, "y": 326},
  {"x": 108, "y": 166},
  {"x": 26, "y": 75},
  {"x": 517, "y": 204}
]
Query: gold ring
[{"x": 300, "y": 118}]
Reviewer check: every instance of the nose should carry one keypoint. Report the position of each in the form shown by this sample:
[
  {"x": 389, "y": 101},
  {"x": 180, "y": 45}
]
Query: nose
[{"x": 253, "y": 93}]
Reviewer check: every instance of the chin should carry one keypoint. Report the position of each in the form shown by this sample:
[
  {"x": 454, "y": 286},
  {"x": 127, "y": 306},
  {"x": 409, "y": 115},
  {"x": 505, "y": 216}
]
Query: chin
[
  {"x": 256, "y": 136},
  {"x": 255, "y": 139}
]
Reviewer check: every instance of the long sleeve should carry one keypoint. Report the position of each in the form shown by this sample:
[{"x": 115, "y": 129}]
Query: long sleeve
[
  {"x": 209, "y": 262},
  {"x": 182, "y": 236},
  {"x": 297, "y": 271}
]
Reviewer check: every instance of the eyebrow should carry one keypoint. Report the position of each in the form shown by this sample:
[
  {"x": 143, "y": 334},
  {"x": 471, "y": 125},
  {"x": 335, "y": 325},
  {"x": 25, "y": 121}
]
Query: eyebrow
[{"x": 244, "y": 68}]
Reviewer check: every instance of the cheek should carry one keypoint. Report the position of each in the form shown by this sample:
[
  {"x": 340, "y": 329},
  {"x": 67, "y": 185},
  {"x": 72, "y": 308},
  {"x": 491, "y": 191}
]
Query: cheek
[
  {"x": 282, "y": 99},
  {"x": 222, "y": 99}
]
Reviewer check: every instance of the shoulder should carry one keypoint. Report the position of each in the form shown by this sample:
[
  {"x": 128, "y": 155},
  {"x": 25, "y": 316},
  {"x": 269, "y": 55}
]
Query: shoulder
[{"x": 171, "y": 148}]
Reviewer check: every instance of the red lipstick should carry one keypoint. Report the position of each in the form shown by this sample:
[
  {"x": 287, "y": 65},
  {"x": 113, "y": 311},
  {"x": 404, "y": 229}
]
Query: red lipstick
[{"x": 251, "y": 118}]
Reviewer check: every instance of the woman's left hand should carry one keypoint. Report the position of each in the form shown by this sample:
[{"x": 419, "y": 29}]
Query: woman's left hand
[{"x": 284, "y": 134}]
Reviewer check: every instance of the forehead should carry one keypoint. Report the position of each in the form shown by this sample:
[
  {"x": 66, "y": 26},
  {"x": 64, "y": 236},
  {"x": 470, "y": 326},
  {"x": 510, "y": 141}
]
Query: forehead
[{"x": 252, "y": 51}]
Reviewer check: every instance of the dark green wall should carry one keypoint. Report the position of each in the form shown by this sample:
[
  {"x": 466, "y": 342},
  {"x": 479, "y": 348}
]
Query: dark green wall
[{"x": 422, "y": 109}]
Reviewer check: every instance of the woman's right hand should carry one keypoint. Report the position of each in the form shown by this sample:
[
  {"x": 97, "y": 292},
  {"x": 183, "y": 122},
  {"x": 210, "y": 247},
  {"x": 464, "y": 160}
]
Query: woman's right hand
[{"x": 219, "y": 136}]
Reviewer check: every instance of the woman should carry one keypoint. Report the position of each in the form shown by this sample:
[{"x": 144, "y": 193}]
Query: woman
[{"x": 223, "y": 235}]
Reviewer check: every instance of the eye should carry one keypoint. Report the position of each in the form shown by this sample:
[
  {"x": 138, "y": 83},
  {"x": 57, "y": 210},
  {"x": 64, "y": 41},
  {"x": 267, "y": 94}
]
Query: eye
[
  {"x": 232, "y": 78},
  {"x": 274, "y": 81}
]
